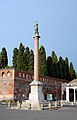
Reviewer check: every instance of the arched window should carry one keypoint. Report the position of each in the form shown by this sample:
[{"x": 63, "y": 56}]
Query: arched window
[
  {"x": 43, "y": 79},
  {"x": 3, "y": 74},
  {"x": 8, "y": 73},
  {"x": 19, "y": 74},
  {"x": 27, "y": 76},
  {"x": 23, "y": 75}
]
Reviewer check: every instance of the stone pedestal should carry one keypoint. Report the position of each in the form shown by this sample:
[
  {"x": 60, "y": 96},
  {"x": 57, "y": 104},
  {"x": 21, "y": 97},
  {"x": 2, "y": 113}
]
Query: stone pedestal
[
  {"x": 36, "y": 97},
  {"x": 36, "y": 91}
]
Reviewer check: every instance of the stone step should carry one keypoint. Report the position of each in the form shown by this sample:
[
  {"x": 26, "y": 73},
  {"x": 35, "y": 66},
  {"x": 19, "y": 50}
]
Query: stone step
[{"x": 72, "y": 106}]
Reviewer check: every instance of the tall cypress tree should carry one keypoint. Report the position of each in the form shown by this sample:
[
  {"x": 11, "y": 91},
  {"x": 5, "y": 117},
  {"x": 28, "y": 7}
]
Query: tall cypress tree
[
  {"x": 31, "y": 61},
  {"x": 72, "y": 72},
  {"x": 15, "y": 55},
  {"x": 24, "y": 59},
  {"x": 4, "y": 57},
  {"x": 0, "y": 61},
  {"x": 60, "y": 65},
  {"x": 76, "y": 75},
  {"x": 55, "y": 64},
  {"x": 42, "y": 61},
  {"x": 67, "y": 68},
  {"x": 49, "y": 66},
  {"x": 26, "y": 56},
  {"x": 20, "y": 64},
  {"x": 63, "y": 69},
  {"x": 54, "y": 57}
]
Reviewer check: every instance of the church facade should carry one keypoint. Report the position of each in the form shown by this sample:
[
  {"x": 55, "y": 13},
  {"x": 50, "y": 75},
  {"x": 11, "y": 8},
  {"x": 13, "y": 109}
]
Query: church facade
[{"x": 14, "y": 85}]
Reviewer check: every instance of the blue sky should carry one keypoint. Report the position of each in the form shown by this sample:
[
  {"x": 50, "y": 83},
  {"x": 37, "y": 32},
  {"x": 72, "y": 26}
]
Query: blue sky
[{"x": 57, "y": 21}]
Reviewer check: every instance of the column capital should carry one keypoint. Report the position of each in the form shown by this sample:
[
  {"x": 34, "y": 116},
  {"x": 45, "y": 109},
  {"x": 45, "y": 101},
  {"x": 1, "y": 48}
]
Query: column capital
[{"x": 36, "y": 35}]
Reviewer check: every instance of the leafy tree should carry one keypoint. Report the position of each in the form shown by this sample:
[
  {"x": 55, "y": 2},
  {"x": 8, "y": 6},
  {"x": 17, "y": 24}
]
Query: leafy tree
[
  {"x": 4, "y": 58},
  {"x": 31, "y": 61},
  {"x": 42, "y": 61},
  {"x": 15, "y": 55}
]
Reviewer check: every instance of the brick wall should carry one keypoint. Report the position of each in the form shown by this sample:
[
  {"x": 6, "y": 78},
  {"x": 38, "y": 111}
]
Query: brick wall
[
  {"x": 15, "y": 84},
  {"x": 6, "y": 88}
]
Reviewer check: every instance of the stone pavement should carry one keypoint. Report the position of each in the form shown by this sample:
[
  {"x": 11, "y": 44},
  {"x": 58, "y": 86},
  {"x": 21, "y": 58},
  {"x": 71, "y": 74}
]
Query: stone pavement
[{"x": 60, "y": 114}]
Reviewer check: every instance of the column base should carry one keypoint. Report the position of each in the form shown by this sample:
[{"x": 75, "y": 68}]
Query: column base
[{"x": 36, "y": 91}]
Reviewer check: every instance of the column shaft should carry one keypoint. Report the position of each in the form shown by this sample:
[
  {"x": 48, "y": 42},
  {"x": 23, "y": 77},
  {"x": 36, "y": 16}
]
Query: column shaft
[
  {"x": 67, "y": 94},
  {"x": 36, "y": 62},
  {"x": 74, "y": 95}
]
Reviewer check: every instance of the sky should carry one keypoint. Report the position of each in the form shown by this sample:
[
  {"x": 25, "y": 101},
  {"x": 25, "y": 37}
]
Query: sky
[{"x": 57, "y": 21}]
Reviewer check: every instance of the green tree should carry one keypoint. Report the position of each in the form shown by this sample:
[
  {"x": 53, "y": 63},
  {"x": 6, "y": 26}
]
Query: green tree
[
  {"x": 67, "y": 68},
  {"x": 8, "y": 67},
  {"x": 0, "y": 61},
  {"x": 4, "y": 57},
  {"x": 20, "y": 64},
  {"x": 42, "y": 61},
  {"x": 15, "y": 55},
  {"x": 60, "y": 67},
  {"x": 26, "y": 56},
  {"x": 54, "y": 64},
  {"x": 76, "y": 75},
  {"x": 54, "y": 57},
  {"x": 72, "y": 72},
  {"x": 31, "y": 61},
  {"x": 49, "y": 66},
  {"x": 64, "y": 69}
]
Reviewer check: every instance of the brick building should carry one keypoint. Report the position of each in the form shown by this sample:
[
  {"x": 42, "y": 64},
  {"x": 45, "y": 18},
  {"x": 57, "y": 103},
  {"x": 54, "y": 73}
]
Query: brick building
[{"x": 14, "y": 84}]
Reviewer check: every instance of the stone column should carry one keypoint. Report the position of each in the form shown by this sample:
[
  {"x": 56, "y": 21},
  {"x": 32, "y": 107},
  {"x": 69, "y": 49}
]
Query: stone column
[
  {"x": 36, "y": 96},
  {"x": 67, "y": 94},
  {"x": 74, "y": 95},
  {"x": 36, "y": 86},
  {"x": 36, "y": 62}
]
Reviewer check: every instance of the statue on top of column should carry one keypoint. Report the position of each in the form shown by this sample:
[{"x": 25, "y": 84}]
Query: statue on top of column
[{"x": 36, "y": 28}]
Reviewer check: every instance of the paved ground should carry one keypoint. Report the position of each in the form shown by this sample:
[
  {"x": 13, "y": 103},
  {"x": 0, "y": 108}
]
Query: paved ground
[{"x": 60, "y": 114}]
